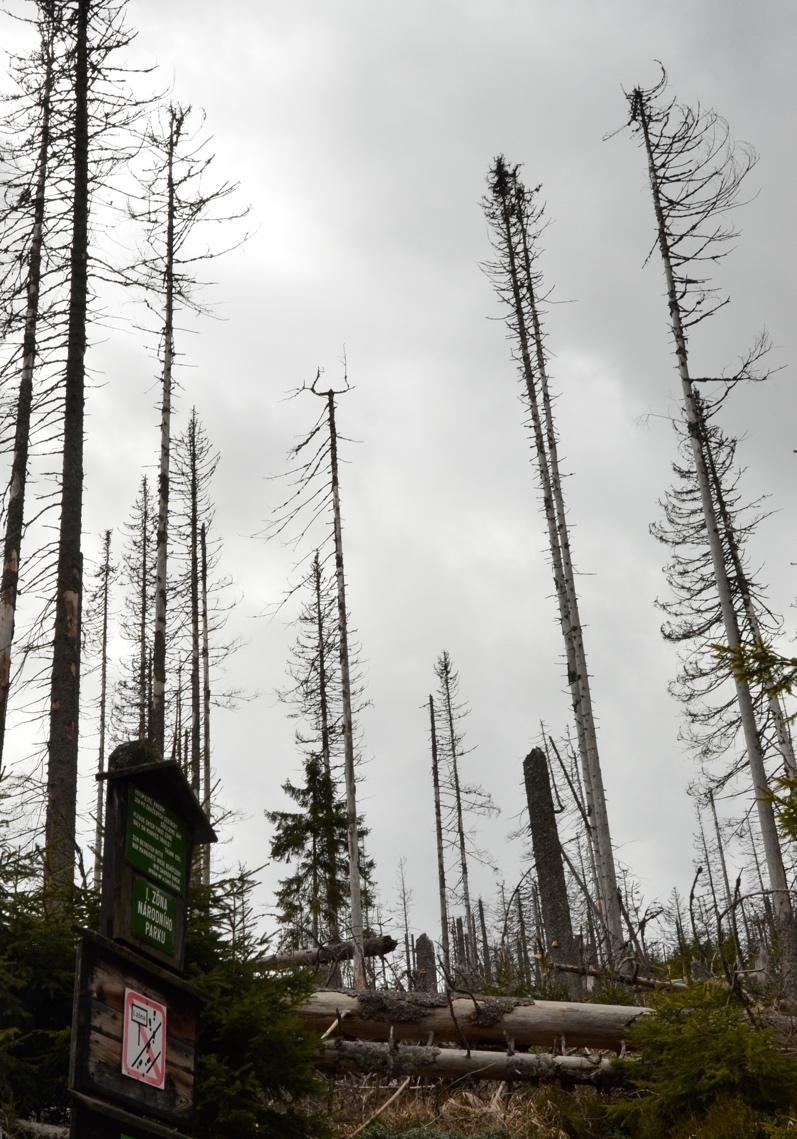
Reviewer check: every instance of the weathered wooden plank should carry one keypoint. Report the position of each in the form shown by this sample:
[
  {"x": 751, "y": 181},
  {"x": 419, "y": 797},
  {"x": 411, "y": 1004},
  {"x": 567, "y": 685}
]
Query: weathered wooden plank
[
  {"x": 104, "y": 973},
  {"x": 93, "y": 1119}
]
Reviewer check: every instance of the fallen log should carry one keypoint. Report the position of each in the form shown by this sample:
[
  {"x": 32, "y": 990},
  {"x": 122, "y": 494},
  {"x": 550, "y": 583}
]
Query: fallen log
[
  {"x": 365, "y": 1015},
  {"x": 329, "y": 954},
  {"x": 604, "y": 975},
  {"x": 339, "y": 1056}
]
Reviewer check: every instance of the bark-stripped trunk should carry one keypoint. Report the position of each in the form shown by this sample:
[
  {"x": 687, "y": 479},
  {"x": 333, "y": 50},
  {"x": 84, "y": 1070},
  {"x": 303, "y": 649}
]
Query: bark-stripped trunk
[
  {"x": 158, "y": 716},
  {"x": 348, "y": 726},
  {"x": 15, "y": 506},
  {"x": 106, "y": 573},
  {"x": 755, "y": 756},
  {"x": 470, "y": 941},
  {"x": 206, "y": 774},
  {"x": 406, "y": 918},
  {"x": 342, "y": 1056},
  {"x": 143, "y": 654},
  {"x": 487, "y": 968},
  {"x": 330, "y": 838},
  {"x": 730, "y": 911},
  {"x": 523, "y": 300},
  {"x": 193, "y": 562},
  {"x": 65, "y": 680},
  {"x": 441, "y": 866},
  {"x": 329, "y": 954},
  {"x": 476, "y": 1019}
]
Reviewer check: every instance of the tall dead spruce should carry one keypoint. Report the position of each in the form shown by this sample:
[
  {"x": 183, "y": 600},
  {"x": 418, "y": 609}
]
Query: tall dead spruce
[
  {"x": 173, "y": 203},
  {"x": 695, "y": 176},
  {"x": 65, "y": 679},
  {"x": 516, "y": 219},
  {"x": 317, "y": 483},
  {"x": 101, "y": 112},
  {"x": 33, "y": 188}
]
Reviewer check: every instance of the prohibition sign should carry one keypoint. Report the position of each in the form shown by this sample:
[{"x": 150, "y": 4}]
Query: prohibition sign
[{"x": 144, "y": 1039}]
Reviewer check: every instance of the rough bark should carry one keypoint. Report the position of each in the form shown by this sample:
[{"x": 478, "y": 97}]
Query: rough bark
[
  {"x": 480, "y": 1020},
  {"x": 65, "y": 680},
  {"x": 355, "y": 887},
  {"x": 425, "y": 965},
  {"x": 453, "y": 1063},
  {"x": 552, "y": 886}
]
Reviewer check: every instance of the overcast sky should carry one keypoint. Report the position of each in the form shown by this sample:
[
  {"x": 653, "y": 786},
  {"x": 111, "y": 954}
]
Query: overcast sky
[{"x": 361, "y": 133}]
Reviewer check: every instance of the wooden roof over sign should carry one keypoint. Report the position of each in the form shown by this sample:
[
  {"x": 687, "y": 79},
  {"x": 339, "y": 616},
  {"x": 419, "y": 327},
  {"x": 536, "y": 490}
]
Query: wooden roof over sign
[{"x": 164, "y": 780}]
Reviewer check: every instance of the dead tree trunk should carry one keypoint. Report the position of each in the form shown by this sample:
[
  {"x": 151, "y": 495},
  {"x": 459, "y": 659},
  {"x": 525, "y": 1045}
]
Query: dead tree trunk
[
  {"x": 487, "y": 968},
  {"x": 441, "y": 866},
  {"x": 193, "y": 565},
  {"x": 425, "y": 965},
  {"x": 455, "y": 1064},
  {"x": 470, "y": 955},
  {"x": 65, "y": 681},
  {"x": 329, "y": 838},
  {"x": 552, "y": 886},
  {"x": 510, "y": 211},
  {"x": 206, "y": 770},
  {"x": 477, "y": 1020},
  {"x": 106, "y": 573},
  {"x": 15, "y": 505},
  {"x": 158, "y": 713},
  {"x": 766, "y": 817},
  {"x": 327, "y": 954},
  {"x": 348, "y": 726}
]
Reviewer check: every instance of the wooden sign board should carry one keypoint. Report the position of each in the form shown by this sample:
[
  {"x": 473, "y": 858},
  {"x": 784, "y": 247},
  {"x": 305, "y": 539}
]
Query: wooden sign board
[
  {"x": 92, "y": 1119},
  {"x": 134, "y": 1033},
  {"x": 152, "y": 822}
]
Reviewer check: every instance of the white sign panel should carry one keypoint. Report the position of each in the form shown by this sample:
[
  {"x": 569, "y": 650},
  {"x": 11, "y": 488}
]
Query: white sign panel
[{"x": 144, "y": 1039}]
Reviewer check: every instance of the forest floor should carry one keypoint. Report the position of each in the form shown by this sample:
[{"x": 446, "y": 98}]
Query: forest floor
[{"x": 487, "y": 1111}]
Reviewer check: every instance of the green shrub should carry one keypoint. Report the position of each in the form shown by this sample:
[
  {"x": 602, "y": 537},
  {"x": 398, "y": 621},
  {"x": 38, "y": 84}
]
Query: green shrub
[{"x": 704, "y": 1070}]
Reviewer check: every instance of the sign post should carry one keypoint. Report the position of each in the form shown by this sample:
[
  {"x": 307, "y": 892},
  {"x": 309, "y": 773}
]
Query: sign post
[{"x": 135, "y": 1020}]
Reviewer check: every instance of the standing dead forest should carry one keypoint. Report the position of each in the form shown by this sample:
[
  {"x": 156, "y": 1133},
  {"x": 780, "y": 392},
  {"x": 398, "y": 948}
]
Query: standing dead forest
[{"x": 463, "y": 610}]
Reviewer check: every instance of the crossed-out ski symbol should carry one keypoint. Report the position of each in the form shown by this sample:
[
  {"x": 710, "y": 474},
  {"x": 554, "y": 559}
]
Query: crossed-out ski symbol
[
  {"x": 151, "y": 1057},
  {"x": 144, "y": 1039}
]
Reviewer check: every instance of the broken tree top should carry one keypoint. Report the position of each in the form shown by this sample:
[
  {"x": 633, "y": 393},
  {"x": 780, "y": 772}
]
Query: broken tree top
[{"x": 165, "y": 780}]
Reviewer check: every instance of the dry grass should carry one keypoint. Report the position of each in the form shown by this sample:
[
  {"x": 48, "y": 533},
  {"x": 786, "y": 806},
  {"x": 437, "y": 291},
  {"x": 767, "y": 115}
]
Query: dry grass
[{"x": 432, "y": 1111}]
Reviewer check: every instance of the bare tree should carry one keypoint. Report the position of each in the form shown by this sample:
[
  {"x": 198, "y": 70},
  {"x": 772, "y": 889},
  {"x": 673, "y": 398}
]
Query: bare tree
[
  {"x": 438, "y": 823},
  {"x": 516, "y": 220},
  {"x": 43, "y": 80},
  {"x": 695, "y": 178},
  {"x": 316, "y": 479},
  {"x": 175, "y": 202}
]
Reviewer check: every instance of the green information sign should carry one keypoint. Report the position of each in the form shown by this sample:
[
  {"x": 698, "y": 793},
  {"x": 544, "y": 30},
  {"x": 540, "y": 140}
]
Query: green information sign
[
  {"x": 157, "y": 841},
  {"x": 154, "y": 916}
]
